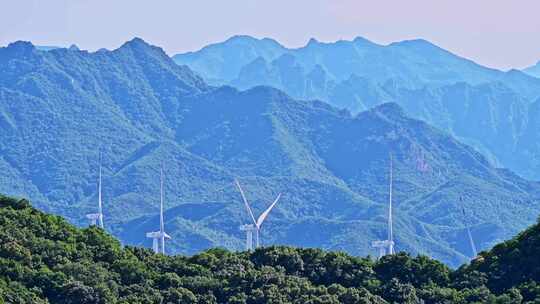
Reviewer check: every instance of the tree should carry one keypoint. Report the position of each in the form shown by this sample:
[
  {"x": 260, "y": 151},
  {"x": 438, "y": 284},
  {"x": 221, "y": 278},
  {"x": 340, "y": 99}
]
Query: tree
[
  {"x": 396, "y": 292},
  {"x": 78, "y": 293},
  {"x": 179, "y": 295}
]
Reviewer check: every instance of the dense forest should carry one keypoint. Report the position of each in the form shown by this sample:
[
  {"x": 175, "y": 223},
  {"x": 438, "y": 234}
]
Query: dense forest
[{"x": 44, "y": 259}]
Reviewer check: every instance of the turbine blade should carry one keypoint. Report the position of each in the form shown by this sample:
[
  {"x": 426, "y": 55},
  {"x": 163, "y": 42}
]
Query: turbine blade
[
  {"x": 99, "y": 188},
  {"x": 267, "y": 211},
  {"x": 245, "y": 201},
  {"x": 100, "y": 199},
  {"x": 390, "y": 223},
  {"x": 471, "y": 241},
  {"x": 161, "y": 223}
]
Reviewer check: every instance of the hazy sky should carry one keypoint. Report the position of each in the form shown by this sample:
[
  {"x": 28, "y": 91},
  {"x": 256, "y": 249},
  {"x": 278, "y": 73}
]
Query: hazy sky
[{"x": 498, "y": 33}]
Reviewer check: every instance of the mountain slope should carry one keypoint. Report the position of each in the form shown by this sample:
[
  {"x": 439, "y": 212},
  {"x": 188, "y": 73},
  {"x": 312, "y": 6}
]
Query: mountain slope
[
  {"x": 410, "y": 64},
  {"x": 59, "y": 108},
  {"x": 430, "y": 83},
  {"x": 533, "y": 70},
  {"x": 219, "y": 63}
]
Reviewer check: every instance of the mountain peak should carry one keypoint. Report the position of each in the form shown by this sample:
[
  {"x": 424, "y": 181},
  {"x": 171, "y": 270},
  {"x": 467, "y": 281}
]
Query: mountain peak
[
  {"x": 415, "y": 43},
  {"x": 21, "y": 45},
  {"x": 249, "y": 40},
  {"x": 136, "y": 42},
  {"x": 362, "y": 40},
  {"x": 312, "y": 41},
  {"x": 139, "y": 44},
  {"x": 241, "y": 38},
  {"x": 20, "y": 48},
  {"x": 270, "y": 40}
]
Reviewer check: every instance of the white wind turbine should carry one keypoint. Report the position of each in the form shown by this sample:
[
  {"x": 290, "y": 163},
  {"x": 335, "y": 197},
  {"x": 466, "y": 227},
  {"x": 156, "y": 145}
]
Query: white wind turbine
[
  {"x": 390, "y": 224},
  {"x": 158, "y": 237},
  {"x": 387, "y": 246},
  {"x": 97, "y": 218},
  {"x": 257, "y": 223}
]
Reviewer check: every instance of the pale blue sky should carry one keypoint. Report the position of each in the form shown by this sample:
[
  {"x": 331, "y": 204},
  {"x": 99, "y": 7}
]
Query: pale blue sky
[{"x": 497, "y": 33}]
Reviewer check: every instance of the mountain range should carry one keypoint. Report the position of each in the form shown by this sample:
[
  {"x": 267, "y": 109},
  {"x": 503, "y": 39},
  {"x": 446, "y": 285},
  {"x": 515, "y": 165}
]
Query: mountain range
[
  {"x": 60, "y": 108},
  {"x": 491, "y": 110}
]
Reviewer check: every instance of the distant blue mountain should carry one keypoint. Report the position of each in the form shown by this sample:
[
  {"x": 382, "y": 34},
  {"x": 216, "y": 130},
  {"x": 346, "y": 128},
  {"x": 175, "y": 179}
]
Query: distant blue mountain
[
  {"x": 533, "y": 70},
  {"x": 410, "y": 64},
  {"x": 221, "y": 63},
  {"x": 59, "y": 108},
  {"x": 484, "y": 107}
]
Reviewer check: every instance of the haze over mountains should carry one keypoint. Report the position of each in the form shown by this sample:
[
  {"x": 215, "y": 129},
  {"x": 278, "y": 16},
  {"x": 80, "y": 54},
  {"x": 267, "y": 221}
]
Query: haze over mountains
[
  {"x": 493, "y": 111},
  {"x": 58, "y": 108}
]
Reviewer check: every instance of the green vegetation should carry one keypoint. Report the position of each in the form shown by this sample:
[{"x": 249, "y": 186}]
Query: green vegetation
[
  {"x": 59, "y": 107},
  {"x": 43, "y": 259}
]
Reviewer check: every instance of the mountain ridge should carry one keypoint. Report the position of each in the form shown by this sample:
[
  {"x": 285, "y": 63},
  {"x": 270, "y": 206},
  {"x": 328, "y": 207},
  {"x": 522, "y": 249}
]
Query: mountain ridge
[
  {"x": 431, "y": 83},
  {"x": 142, "y": 109}
]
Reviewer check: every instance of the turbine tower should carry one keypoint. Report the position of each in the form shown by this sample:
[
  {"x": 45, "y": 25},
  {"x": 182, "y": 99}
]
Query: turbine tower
[
  {"x": 387, "y": 246},
  {"x": 259, "y": 221},
  {"x": 97, "y": 218},
  {"x": 390, "y": 227},
  {"x": 248, "y": 228},
  {"x": 471, "y": 241},
  {"x": 158, "y": 237}
]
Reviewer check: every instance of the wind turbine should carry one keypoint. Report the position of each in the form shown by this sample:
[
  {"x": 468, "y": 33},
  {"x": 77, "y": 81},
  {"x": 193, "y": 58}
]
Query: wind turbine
[
  {"x": 387, "y": 246},
  {"x": 390, "y": 226},
  {"x": 158, "y": 237},
  {"x": 471, "y": 241},
  {"x": 257, "y": 222},
  {"x": 97, "y": 218}
]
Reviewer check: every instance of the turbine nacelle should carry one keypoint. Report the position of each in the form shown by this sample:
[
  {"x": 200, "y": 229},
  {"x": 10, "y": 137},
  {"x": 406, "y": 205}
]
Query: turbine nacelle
[
  {"x": 157, "y": 238},
  {"x": 383, "y": 243},
  {"x": 94, "y": 218},
  {"x": 247, "y": 227},
  {"x": 158, "y": 235},
  {"x": 384, "y": 246}
]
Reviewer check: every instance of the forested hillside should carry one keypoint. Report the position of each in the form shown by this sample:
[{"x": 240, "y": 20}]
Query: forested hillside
[
  {"x": 60, "y": 108},
  {"x": 43, "y": 259}
]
